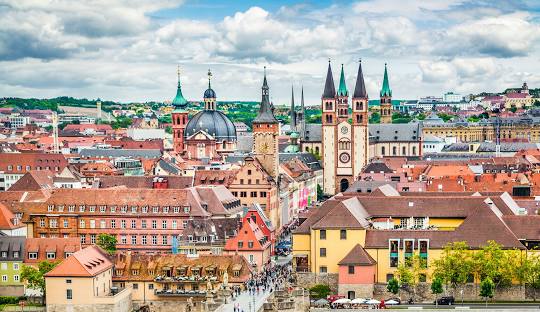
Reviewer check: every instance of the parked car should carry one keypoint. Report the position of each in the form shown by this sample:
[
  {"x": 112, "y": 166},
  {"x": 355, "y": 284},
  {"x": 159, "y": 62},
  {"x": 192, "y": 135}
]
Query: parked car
[
  {"x": 332, "y": 298},
  {"x": 448, "y": 300}
]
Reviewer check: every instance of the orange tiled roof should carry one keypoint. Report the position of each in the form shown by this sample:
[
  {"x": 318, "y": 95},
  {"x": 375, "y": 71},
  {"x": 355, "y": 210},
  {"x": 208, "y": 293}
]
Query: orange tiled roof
[{"x": 87, "y": 262}]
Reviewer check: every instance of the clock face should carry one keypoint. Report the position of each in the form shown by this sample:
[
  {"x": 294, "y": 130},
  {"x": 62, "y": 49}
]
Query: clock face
[
  {"x": 344, "y": 157},
  {"x": 344, "y": 130},
  {"x": 264, "y": 147}
]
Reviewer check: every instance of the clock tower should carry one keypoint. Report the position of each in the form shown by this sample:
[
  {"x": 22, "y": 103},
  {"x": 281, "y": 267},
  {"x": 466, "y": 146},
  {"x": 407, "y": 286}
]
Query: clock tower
[{"x": 265, "y": 134}]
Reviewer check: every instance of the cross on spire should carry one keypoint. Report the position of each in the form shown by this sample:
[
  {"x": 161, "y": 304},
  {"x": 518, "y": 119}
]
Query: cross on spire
[{"x": 209, "y": 76}]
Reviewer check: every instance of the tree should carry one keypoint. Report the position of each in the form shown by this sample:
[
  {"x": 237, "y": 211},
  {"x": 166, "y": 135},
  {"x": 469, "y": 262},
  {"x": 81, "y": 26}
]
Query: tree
[
  {"x": 409, "y": 272},
  {"x": 168, "y": 130},
  {"x": 455, "y": 264},
  {"x": 319, "y": 291},
  {"x": 34, "y": 277},
  {"x": 421, "y": 116},
  {"x": 393, "y": 286},
  {"x": 437, "y": 289},
  {"x": 513, "y": 109},
  {"x": 486, "y": 289},
  {"x": 494, "y": 263},
  {"x": 107, "y": 242},
  {"x": 320, "y": 192},
  {"x": 375, "y": 118}
]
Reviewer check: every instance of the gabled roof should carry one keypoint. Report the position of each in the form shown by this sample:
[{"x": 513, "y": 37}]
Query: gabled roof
[
  {"x": 87, "y": 262},
  {"x": 7, "y": 218},
  {"x": 34, "y": 180},
  {"x": 347, "y": 214},
  {"x": 357, "y": 256}
]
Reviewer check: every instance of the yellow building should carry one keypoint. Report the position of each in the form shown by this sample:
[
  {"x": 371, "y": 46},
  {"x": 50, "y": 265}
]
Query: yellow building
[
  {"x": 378, "y": 231},
  {"x": 83, "y": 282}
]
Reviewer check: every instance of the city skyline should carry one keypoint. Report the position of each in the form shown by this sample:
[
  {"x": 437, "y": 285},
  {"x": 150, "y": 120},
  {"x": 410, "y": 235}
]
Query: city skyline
[{"x": 127, "y": 51}]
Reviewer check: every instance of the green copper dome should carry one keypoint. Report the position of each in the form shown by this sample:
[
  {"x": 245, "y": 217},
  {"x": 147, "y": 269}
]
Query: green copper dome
[
  {"x": 385, "y": 91},
  {"x": 179, "y": 101},
  {"x": 342, "y": 91}
]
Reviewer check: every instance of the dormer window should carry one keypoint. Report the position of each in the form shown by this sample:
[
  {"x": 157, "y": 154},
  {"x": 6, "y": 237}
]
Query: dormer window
[
  {"x": 51, "y": 255},
  {"x": 134, "y": 272},
  {"x": 118, "y": 272},
  {"x": 50, "y": 208},
  {"x": 32, "y": 255},
  {"x": 186, "y": 209},
  {"x": 81, "y": 208},
  {"x": 155, "y": 209}
]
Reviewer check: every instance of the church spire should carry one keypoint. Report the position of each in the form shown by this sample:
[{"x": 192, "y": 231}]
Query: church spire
[
  {"x": 303, "y": 110},
  {"x": 385, "y": 91},
  {"x": 179, "y": 101},
  {"x": 329, "y": 87},
  {"x": 360, "y": 87},
  {"x": 266, "y": 114},
  {"x": 293, "y": 111},
  {"x": 342, "y": 90}
]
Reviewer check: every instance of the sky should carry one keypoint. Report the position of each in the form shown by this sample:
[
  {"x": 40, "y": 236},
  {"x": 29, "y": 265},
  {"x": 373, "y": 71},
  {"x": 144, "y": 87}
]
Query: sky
[{"x": 128, "y": 50}]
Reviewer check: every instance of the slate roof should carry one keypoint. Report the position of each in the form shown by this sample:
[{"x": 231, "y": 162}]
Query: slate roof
[
  {"x": 244, "y": 143},
  {"x": 115, "y": 153},
  {"x": 307, "y": 158},
  {"x": 313, "y": 133},
  {"x": 329, "y": 86},
  {"x": 11, "y": 244},
  {"x": 395, "y": 132},
  {"x": 360, "y": 87},
  {"x": 357, "y": 256},
  {"x": 377, "y": 167}
]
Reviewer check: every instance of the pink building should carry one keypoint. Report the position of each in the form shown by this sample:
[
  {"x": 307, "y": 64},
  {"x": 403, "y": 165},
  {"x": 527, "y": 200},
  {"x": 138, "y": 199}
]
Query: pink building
[{"x": 357, "y": 274}]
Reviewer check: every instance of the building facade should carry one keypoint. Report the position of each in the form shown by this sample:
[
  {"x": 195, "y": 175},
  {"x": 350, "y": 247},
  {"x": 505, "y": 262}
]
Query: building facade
[{"x": 344, "y": 144}]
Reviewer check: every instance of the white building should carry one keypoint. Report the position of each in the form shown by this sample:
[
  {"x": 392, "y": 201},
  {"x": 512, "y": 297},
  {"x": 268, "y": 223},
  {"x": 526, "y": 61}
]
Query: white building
[
  {"x": 145, "y": 134},
  {"x": 17, "y": 121},
  {"x": 433, "y": 144},
  {"x": 452, "y": 97}
]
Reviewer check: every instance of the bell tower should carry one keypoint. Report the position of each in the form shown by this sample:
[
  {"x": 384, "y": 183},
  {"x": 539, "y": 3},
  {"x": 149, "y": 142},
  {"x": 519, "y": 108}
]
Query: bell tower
[
  {"x": 360, "y": 123},
  {"x": 179, "y": 117},
  {"x": 265, "y": 134},
  {"x": 386, "y": 99},
  {"x": 329, "y": 132}
]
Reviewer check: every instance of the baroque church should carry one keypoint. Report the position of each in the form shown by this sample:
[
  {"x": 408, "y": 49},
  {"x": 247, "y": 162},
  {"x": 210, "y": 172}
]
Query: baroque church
[{"x": 209, "y": 134}]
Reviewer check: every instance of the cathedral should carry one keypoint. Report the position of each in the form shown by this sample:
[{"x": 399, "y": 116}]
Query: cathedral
[
  {"x": 345, "y": 144},
  {"x": 209, "y": 134}
]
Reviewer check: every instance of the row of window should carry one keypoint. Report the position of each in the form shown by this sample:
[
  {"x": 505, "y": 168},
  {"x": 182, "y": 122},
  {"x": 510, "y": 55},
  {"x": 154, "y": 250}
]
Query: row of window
[
  {"x": 252, "y": 194},
  {"x": 342, "y": 234},
  {"x": 395, "y": 150},
  {"x": 4, "y": 266},
  {"x": 28, "y": 168},
  {"x": 103, "y": 224},
  {"x": 5, "y": 279},
  {"x": 4, "y": 254},
  {"x": 123, "y": 209},
  {"x": 133, "y": 239},
  {"x": 50, "y": 255}
]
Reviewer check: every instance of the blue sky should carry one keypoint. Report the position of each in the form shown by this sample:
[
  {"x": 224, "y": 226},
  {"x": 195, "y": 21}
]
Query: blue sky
[{"x": 128, "y": 50}]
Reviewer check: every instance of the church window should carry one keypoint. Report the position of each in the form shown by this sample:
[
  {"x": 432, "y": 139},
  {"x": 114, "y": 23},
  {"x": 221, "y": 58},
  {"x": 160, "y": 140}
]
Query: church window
[
  {"x": 383, "y": 150},
  {"x": 414, "y": 150},
  {"x": 404, "y": 150}
]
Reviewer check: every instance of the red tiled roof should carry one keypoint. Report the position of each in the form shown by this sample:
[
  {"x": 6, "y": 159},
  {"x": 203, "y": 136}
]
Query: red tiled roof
[
  {"x": 18, "y": 162},
  {"x": 6, "y": 219},
  {"x": 87, "y": 262}
]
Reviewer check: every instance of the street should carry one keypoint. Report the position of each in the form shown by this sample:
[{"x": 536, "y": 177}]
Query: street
[{"x": 252, "y": 303}]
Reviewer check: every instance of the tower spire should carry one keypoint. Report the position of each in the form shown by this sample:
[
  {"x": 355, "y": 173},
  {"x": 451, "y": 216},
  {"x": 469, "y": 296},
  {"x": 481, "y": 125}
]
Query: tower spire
[
  {"x": 179, "y": 101},
  {"x": 209, "y": 77},
  {"x": 360, "y": 87},
  {"x": 293, "y": 111},
  {"x": 385, "y": 91},
  {"x": 329, "y": 87},
  {"x": 342, "y": 90},
  {"x": 266, "y": 114},
  {"x": 303, "y": 110}
]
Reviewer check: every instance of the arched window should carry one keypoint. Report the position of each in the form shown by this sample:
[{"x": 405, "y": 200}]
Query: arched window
[
  {"x": 343, "y": 185},
  {"x": 414, "y": 150},
  {"x": 316, "y": 150},
  {"x": 404, "y": 151},
  {"x": 383, "y": 150},
  {"x": 394, "y": 150}
]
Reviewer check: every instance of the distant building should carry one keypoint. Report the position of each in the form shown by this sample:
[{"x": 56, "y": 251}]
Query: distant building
[
  {"x": 11, "y": 260},
  {"x": 13, "y": 166},
  {"x": 452, "y": 97}
]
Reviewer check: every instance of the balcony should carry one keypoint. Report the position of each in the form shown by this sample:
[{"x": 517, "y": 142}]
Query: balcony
[
  {"x": 185, "y": 279},
  {"x": 180, "y": 293}
]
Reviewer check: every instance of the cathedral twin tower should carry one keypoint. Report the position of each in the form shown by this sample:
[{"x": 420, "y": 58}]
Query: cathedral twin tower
[{"x": 345, "y": 135}]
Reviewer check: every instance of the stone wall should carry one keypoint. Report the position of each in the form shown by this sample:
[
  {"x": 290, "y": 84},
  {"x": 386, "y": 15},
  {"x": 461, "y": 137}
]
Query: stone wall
[
  {"x": 360, "y": 290},
  {"x": 124, "y": 304},
  {"x": 12, "y": 290},
  {"x": 169, "y": 305},
  {"x": 308, "y": 280},
  {"x": 470, "y": 293}
]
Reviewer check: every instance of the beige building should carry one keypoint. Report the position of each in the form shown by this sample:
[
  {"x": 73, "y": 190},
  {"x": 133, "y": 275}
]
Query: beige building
[
  {"x": 395, "y": 140},
  {"x": 83, "y": 282}
]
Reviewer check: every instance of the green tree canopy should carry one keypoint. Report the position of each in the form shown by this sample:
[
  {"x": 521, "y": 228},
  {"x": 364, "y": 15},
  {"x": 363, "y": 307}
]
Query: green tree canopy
[
  {"x": 393, "y": 286},
  {"x": 107, "y": 242},
  {"x": 319, "y": 291},
  {"x": 35, "y": 277},
  {"x": 486, "y": 288}
]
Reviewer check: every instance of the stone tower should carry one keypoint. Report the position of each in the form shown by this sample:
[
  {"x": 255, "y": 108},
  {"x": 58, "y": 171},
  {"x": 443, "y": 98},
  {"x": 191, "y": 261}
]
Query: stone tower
[
  {"x": 179, "y": 117},
  {"x": 386, "y": 99},
  {"x": 265, "y": 134}
]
